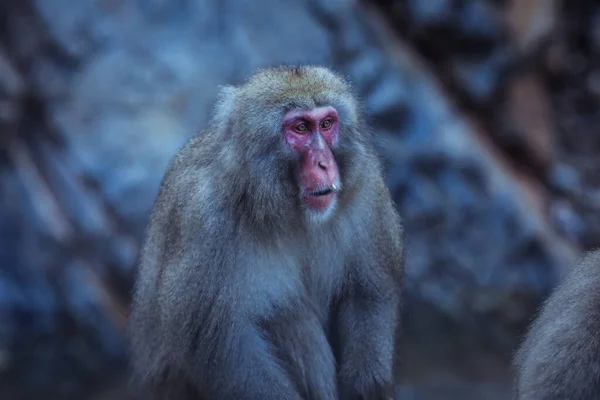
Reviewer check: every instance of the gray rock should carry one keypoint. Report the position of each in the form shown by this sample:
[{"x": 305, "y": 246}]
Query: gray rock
[
  {"x": 431, "y": 12},
  {"x": 141, "y": 79}
]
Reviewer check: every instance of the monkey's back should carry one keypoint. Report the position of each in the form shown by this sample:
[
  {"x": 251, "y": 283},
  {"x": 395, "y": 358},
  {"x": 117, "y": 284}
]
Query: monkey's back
[{"x": 560, "y": 356}]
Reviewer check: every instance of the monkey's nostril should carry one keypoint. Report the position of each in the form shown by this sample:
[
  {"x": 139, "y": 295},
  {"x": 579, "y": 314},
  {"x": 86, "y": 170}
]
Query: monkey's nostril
[{"x": 321, "y": 165}]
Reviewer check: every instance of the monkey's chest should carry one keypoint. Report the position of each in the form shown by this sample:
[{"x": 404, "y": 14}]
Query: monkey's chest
[
  {"x": 322, "y": 282},
  {"x": 291, "y": 281}
]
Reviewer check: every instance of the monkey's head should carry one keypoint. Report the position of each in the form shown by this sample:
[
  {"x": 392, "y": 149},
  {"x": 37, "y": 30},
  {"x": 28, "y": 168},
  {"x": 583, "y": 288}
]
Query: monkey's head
[{"x": 298, "y": 135}]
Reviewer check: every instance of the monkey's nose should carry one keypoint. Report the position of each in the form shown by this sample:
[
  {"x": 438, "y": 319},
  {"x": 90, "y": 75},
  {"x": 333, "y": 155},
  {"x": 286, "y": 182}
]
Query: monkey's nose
[{"x": 322, "y": 165}]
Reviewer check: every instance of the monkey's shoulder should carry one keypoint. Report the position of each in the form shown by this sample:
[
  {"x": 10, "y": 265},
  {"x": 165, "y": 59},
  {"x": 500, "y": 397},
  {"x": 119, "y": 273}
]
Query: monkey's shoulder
[
  {"x": 564, "y": 337},
  {"x": 189, "y": 180},
  {"x": 579, "y": 292},
  {"x": 587, "y": 269},
  {"x": 375, "y": 209}
]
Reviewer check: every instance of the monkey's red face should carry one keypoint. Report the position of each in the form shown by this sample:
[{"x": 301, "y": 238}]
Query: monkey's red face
[{"x": 313, "y": 134}]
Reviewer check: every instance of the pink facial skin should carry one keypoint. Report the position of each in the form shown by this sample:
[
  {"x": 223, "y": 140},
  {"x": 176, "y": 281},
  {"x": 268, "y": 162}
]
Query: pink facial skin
[{"x": 313, "y": 133}]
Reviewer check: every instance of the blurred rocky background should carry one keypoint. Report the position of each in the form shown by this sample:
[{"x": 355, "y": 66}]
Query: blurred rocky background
[{"x": 486, "y": 112}]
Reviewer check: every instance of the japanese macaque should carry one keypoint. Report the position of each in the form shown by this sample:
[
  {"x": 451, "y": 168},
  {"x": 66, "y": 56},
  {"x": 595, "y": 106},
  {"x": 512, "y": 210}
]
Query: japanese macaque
[
  {"x": 273, "y": 262},
  {"x": 560, "y": 356}
]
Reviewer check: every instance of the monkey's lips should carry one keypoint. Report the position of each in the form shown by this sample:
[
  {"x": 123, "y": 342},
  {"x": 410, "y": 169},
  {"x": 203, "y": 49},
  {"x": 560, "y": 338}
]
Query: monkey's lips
[{"x": 320, "y": 199}]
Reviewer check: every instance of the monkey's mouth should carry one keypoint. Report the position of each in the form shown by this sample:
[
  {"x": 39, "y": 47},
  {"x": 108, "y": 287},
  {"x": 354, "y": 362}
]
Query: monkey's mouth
[
  {"x": 321, "y": 197},
  {"x": 321, "y": 192}
]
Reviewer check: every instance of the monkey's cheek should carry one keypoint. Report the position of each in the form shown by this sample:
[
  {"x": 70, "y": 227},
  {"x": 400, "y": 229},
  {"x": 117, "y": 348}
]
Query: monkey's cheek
[{"x": 319, "y": 203}]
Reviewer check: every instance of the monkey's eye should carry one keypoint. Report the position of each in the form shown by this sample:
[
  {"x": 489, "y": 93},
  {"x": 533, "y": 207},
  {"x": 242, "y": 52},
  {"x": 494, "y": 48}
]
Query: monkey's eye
[
  {"x": 301, "y": 128},
  {"x": 326, "y": 124}
]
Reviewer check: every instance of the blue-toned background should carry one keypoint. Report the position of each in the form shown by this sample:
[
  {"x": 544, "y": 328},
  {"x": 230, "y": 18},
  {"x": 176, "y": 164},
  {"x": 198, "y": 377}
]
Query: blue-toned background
[{"x": 485, "y": 111}]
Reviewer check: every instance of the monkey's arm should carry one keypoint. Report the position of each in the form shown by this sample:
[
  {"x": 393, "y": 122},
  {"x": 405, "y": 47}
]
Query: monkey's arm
[
  {"x": 244, "y": 366},
  {"x": 284, "y": 355},
  {"x": 302, "y": 345},
  {"x": 368, "y": 321},
  {"x": 367, "y": 331}
]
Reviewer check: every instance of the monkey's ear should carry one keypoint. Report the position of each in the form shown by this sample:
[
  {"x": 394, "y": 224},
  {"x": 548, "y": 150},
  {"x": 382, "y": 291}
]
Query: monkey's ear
[{"x": 225, "y": 105}]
